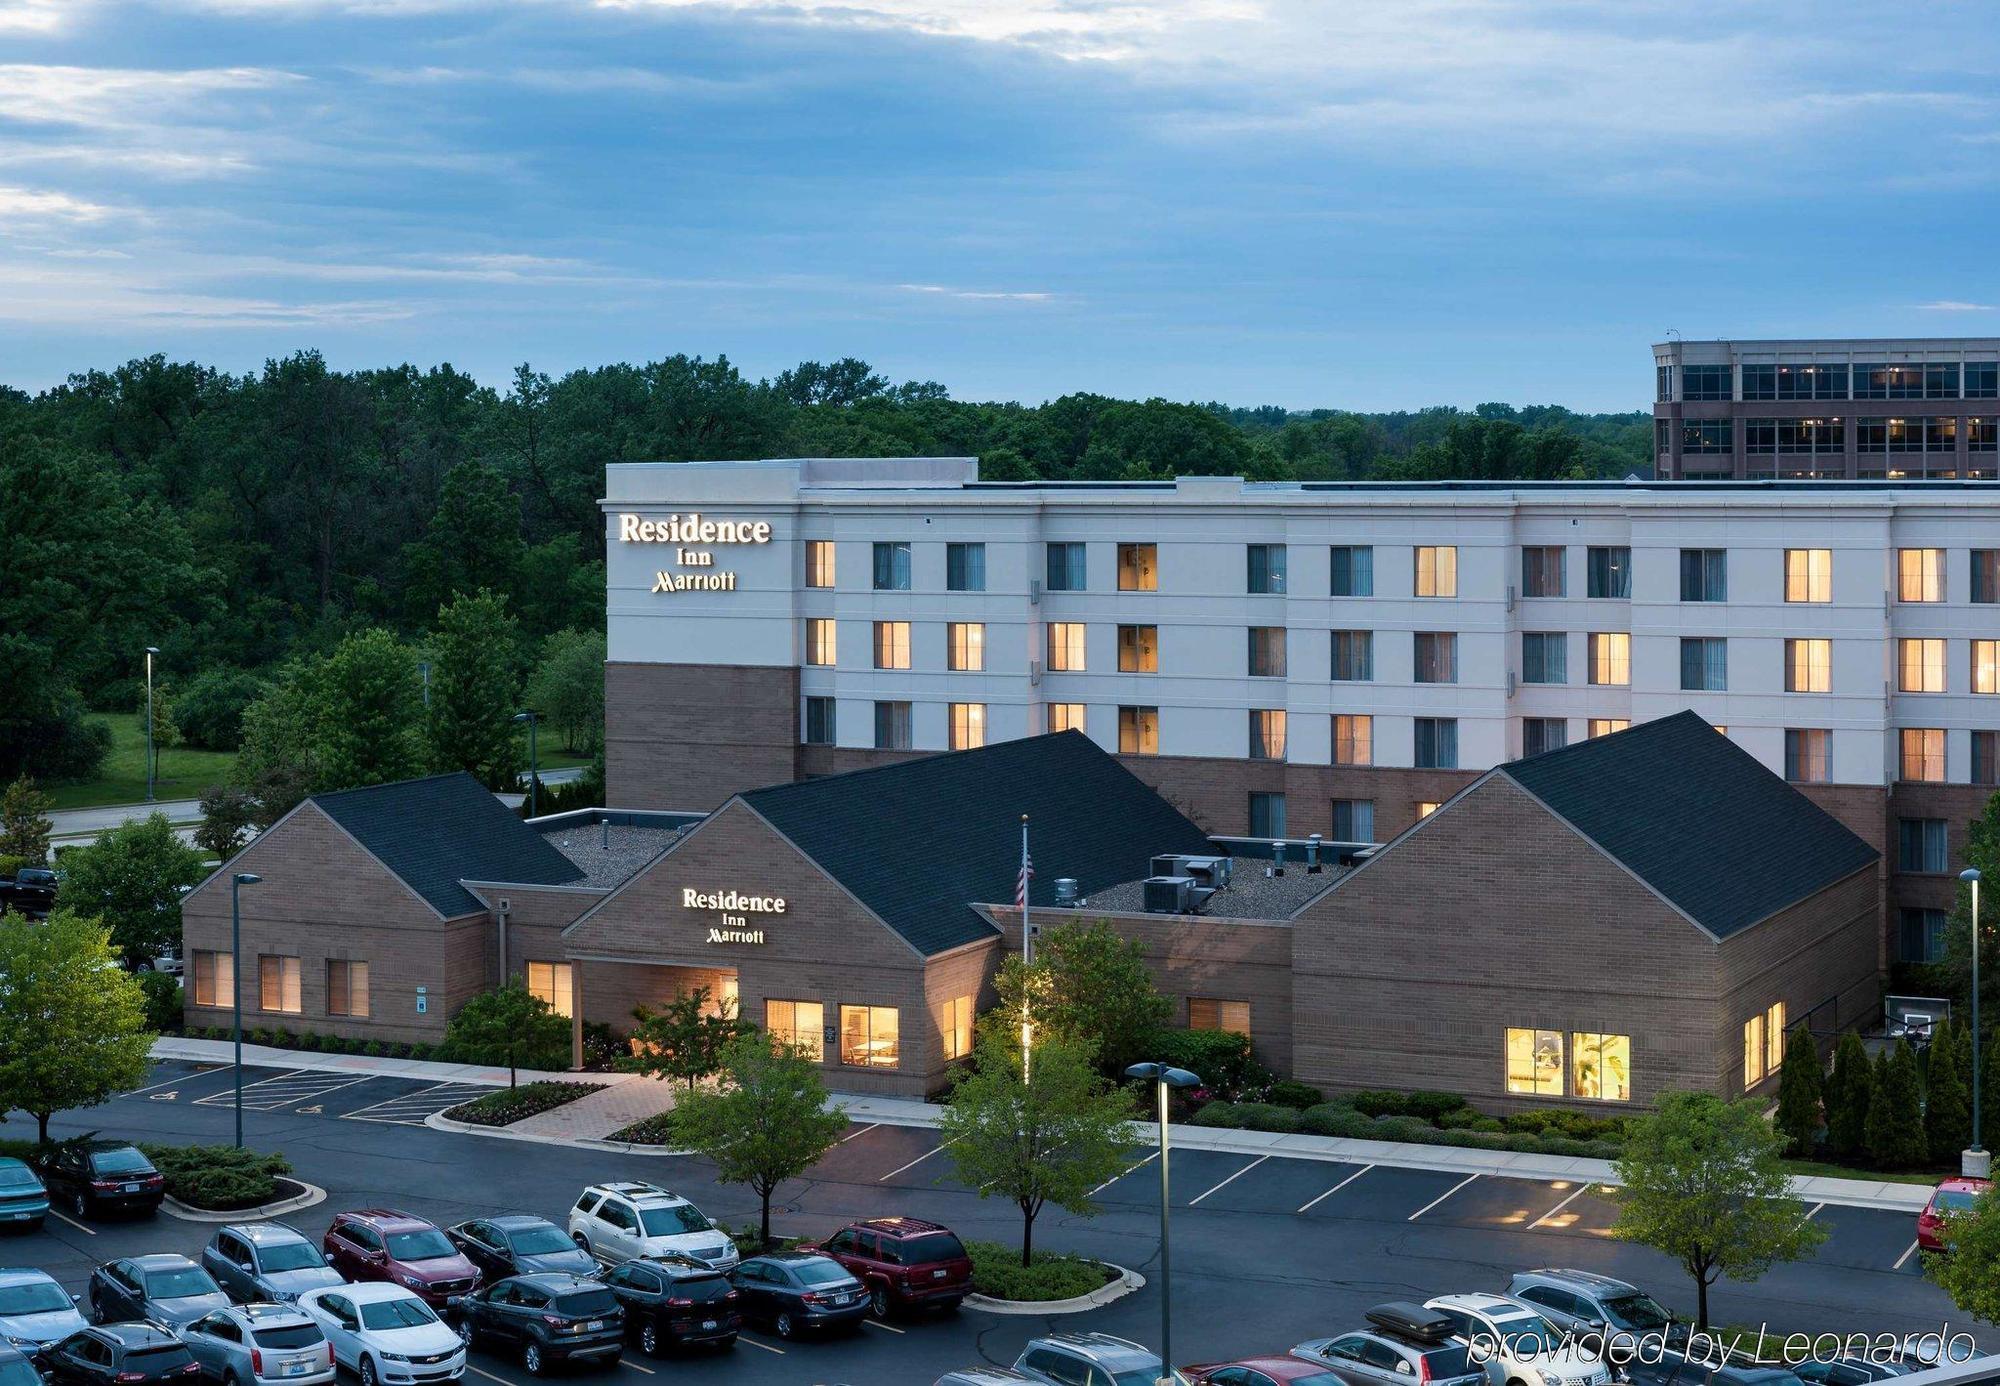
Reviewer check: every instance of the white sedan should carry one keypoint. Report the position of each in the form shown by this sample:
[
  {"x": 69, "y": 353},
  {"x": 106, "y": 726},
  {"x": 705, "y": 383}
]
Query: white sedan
[{"x": 385, "y": 1335}]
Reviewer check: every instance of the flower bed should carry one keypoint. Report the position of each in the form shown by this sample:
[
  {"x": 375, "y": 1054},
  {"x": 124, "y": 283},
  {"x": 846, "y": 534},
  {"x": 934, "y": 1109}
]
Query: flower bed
[
  {"x": 505, "y": 1106},
  {"x": 998, "y": 1273},
  {"x": 651, "y": 1130}
]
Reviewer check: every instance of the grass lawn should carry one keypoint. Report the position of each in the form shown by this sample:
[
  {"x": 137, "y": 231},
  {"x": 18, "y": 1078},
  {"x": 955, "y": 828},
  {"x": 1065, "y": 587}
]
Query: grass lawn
[
  {"x": 1807, "y": 1169},
  {"x": 552, "y": 758},
  {"x": 185, "y": 773}
]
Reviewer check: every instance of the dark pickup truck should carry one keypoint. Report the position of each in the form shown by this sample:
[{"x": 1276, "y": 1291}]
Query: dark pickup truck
[{"x": 31, "y": 890}]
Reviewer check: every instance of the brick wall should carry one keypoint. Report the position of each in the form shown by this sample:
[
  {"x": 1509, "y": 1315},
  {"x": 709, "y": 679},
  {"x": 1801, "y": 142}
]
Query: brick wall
[{"x": 687, "y": 736}]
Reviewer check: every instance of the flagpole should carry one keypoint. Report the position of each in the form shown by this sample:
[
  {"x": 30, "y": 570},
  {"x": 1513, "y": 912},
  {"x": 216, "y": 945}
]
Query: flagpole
[{"x": 1027, "y": 952}]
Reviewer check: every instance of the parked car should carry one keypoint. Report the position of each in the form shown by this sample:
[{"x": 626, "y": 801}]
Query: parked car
[
  {"x": 166, "y": 959},
  {"x": 1089, "y": 1359},
  {"x": 1852, "y": 1371},
  {"x": 127, "y": 1354},
  {"x": 1403, "y": 1342},
  {"x": 1518, "y": 1346},
  {"x": 92, "y": 1177},
  {"x": 983, "y": 1376},
  {"x": 35, "y": 1311},
  {"x": 1950, "y": 1198},
  {"x": 548, "y": 1318},
  {"x": 616, "y": 1222},
  {"x": 1263, "y": 1371},
  {"x": 799, "y": 1292},
  {"x": 265, "y": 1261},
  {"x": 676, "y": 1301},
  {"x": 260, "y": 1345},
  {"x": 30, "y": 891},
  {"x": 24, "y": 1200},
  {"x": 383, "y": 1244},
  {"x": 385, "y": 1334},
  {"x": 17, "y": 1368},
  {"x": 1675, "y": 1368},
  {"x": 165, "y": 1288},
  {"x": 1584, "y": 1301},
  {"x": 906, "y": 1263},
  {"x": 519, "y": 1244}
]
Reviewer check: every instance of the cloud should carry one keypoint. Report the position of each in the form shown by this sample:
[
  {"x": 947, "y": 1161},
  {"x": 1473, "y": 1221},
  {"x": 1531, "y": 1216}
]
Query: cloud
[
  {"x": 947, "y": 292},
  {"x": 120, "y": 98},
  {"x": 35, "y": 16},
  {"x": 32, "y": 204},
  {"x": 1956, "y": 305}
]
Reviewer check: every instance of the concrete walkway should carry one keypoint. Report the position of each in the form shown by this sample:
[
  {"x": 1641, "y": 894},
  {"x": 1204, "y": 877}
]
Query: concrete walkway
[{"x": 596, "y": 1117}]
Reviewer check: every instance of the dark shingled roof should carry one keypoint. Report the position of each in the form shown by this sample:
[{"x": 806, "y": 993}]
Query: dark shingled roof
[
  {"x": 1697, "y": 818},
  {"x": 920, "y": 841},
  {"x": 435, "y": 832}
]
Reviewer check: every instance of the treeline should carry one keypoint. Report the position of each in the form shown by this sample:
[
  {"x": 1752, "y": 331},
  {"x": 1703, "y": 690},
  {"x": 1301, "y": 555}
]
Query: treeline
[{"x": 243, "y": 524}]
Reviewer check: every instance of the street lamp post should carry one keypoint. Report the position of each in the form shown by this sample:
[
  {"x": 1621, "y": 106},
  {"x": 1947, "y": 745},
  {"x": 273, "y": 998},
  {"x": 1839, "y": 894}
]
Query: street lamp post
[
  {"x": 534, "y": 764},
  {"x": 236, "y": 884},
  {"x": 151, "y": 761},
  {"x": 1976, "y": 1162},
  {"x": 1164, "y": 1077}
]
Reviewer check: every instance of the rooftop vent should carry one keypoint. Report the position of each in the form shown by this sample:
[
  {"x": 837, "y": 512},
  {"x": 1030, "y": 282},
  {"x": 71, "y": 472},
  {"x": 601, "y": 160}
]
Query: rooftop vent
[{"x": 1066, "y": 891}]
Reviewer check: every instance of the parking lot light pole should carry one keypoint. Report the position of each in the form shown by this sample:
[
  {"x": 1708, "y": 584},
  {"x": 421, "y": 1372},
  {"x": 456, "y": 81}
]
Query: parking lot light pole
[
  {"x": 236, "y": 884},
  {"x": 534, "y": 763},
  {"x": 1163, "y": 1077},
  {"x": 1976, "y": 1162},
  {"x": 151, "y": 762}
]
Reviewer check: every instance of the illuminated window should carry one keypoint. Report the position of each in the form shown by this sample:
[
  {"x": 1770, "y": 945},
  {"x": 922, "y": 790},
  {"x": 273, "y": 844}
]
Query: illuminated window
[
  {"x": 1808, "y": 575},
  {"x": 1763, "y": 1045},
  {"x": 1427, "y": 807},
  {"x": 1138, "y": 568},
  {"x": 968, "y": 726},
  {"x": 1542, "y": 571},
  {"x": 800, "y": 1024},
  {"x": 1353, "y": 739},
  {"x": 1066, "y": 647},
  {"x": 1437, "y": 572},
  {"x": 1065, "y": 717},
  {"x": 1267, "y": 734},
  {"x": 1139, "y": 731},
  {"x": 819, "y": 563},
  {"x": 1435, "y": 656},
  {"x": 1986, "y": 666},
  {"x": 278, "y": 984},
  {"x": 554, "y": 983},
  {"x": 1601, "y": 1066},
  {"x": 1138, "y": 649},
  {"x": 870, "y": 1036},
  {"x": 820, "y": 646},
  {"x": 1920, "y": 575},
  {"x": 1920, "y": 665},
  {"x": 1808, "y": 755},
  {"x": 1208, "y": 1013},
  {"x": 346, "y": 987},
  {"x": 1923, "y": 754},
  {"x": 1610, "y": 658},
  {"x": 965, "y": 646},
  {"x": 1604, "y": 726},
  {"x": 955, "y": 1026},
  {"x": 1353, "y": 656},
  {"x": 1266, "y": 564},
  {"x": 1535, "y": 1062},
  {"x": 892, "y": 567},
  {"x": 1774, "y": 1036},
  {"x": 1267, "y": 652},
  {"x": 1808, "y": 666},
  {"x": 892, "y": 644},
  {"x": 214, "y": 978}
]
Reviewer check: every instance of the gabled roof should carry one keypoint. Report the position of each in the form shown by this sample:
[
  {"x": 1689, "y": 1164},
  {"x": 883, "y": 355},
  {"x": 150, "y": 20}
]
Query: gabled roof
[
  {"x": 1697, "y": 818},
  {"x": 921, "y": 841},
  {"x": 435, "y": 832}
]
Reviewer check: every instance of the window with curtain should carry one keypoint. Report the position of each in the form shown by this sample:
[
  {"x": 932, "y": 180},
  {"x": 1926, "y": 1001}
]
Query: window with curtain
[
  {"x": 821, "y": 648},
  {"x": 1923, "y": 754},
  {"x": 1543, "y": 734},
  {"x": 1986, "y": 666},
  {"x": 819, "y": 563},
  {"x": 1437, "y": 743},
  {"x": 892, "y": 726},
  {"x": 1920, "y": 575},
  {"x": 1542, "y": 571},
  {"x": 1353, "y": 738},
  {"x": 278, "y": 984},
  {"x": 1544, "y": 656},
  {"x": 1921, "y": 845},
  {"x": 1267, "y": 652},
  {"x": 1610, "y": 658},
  {"x": 1608, "y": 572},
  {"x": 1066, "y": 717},
  {"x": 1808, "y": 575},
  {"x": 965, "y": 646},
  {"x": 892, "y": 567},
  {"x": 1139, "y": 731},
  {"x": 1138, "y": 649},
  {"x": 1267, "y": 815},
  {"x": 955, "y": 1026},
  {"x": 1437, "y": 571},
  {"x": 1267, "y": 733},
  {"x": 1353, "y": 571},
  {"x": 1353, "y": 656},
  {"x": 1436, "y": 657},
  {"x": 1066, "y": 643},
  {"x": 968, "y": 726},
  {"x": 1353, "y": 820},
  {"x": 1138, "y": 568},
  {"x": 1605, "y": 726},
  {"x": 214, "y": 978},
  {"x": 892, "y": 644},
  {"x": 1808, "y": 666},
  {"x": 1808, "y": 755},
  {"x": 819, "y": 722},
  {"x": 1920, "y": 665},
  {"x": 347, "y": 987},
  {"x": 1266, "y": 563},
  {"x": 1704, "y": 664},
  {"x": 965, "y": 567},
  {"x": 1986, "y": 575},
  {"x": 1066, "y": 568},
  {"x": 1210, "y": 1013},
  {"x": 1704, "y": 575}
]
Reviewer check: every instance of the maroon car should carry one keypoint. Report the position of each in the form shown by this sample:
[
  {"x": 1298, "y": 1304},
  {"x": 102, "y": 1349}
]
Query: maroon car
[
  {"x": 1262, "y": 1371},
  {"x": 383, "y": 1244},
  {"x": 906, "y": 1263}
]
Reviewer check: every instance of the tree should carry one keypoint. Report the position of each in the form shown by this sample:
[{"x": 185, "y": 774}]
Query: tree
[
  {"x": 474, "y": 541},
  {"x": 1704, "y": 1183},
  {"x": 24, "y": 822},
  {"x": 209, "y": 707},
  {"x": 131, "y": 880},
  {"x": 686, "y": 1038},
  {"x": 1895, "y": 1128},
  {"x": 766, "y": 1121},
  {"x": 366, "y": 718},
  {"x": 276, "y": 764},
  {"x": 1989, "y": 1110},
  {"x": 1088, "y": 985},
  {"x": 1799, "y": 1091},
  {"x": 475, "y": 690},
  {"x": 1050, "y": 1141},
  {"x": 72, "y": 1023},
  {"x": 1847, "y": 1093},
  {"x": 227, "y": 815},
  {"x": 567, "y": 688},
  {"x": 1969, "y": 1270},
  {"x": 510, "y": 1026},
  {"x": 1947, "y": 1099}
]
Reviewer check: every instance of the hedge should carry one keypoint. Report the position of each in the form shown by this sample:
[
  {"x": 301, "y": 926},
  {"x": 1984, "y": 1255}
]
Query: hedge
[
  {"x": 506, "y": 1106},
  {"x": 997, "y": 1271},
  {"x": 318, "y": 1044},
  {"x": 220, "y": 1178},
  {"x": 1338, "y": 1118}
]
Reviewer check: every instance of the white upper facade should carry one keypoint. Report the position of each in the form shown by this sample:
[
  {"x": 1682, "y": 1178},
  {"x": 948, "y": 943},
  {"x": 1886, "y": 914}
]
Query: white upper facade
[{"x": 735, "y": 598}]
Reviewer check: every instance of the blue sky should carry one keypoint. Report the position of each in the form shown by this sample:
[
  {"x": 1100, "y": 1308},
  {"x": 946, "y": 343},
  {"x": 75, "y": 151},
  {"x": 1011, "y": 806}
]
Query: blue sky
[{"x": 1358, "y": 203}]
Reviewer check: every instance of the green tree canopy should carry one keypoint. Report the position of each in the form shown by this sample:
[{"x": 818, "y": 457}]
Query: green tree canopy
[
  {"x": 1848, "y": 1091},
  {"x": 1969, "y": 1271},
  {"x": 1088, "y": 985},
  {"x": 1948, "y": 1094},
  {"x": 1799, "y": 1091},
  {"x": 476, "y": 690},
  {"x": 367, "y": 718},
  {"x": 567, "y": 688},
  {"x": 131, "y": 879},
  {"x": 510, "y": 1026},
  {"x": 686, "y": 1038},
  {"x": 72, "y": 1022},
  {"x": 25, "y": 824},
  {"x": 1895, "y": 1127}
]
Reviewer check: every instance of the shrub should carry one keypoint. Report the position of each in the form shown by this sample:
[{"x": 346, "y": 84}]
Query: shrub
[
  {"x": 1268, "y": 1116},
  {"x": 1403, "y": 1128},
  {"x": 601, "y": 1044},
  {"x": 219, "y": 1178},
  {"x": 1221, "y": 1058},
  {"x": 1223, "y": 1115},
  {"x": 1286, "y": 1093},
  {"x": 1432, "y": 1106},
  {"x": 1488, "y": 1123},
  {"x": 1378, "y": 1102},
  {"x": 12, "y": 862},
  {"x": 1335, "y": 1119},
  {"x": 653, "y": 1130},
  {"x": 1461, "y": 1120},
  {"x": 208, "y": 708},
  {"x": 997, "y": 1271},
  {"x": 163, "y": 1001},
  {"x": 506, "y": 1106},
  {"x": 1474, "y": 1140}
]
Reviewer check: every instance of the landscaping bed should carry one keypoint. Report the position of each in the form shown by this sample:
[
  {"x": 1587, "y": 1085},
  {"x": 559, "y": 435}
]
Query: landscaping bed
[
  {"x": 997, "y": 1272},
  {"x": 651, "y": 1130},
  {"x": 318, "y": 1044},
  {"x": 221, "y": 1178},
  {"x": 505, "y": 1106},
  {"x": 1420, "y": 1118}
]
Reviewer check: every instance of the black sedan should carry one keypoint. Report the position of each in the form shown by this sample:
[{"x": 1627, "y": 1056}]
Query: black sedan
[
  {"x": 165, "y": 1288},
  {"x": 89, "y": 1177},
  {"x": 547, "y": 1319},
  {"x": 128, "y": 1354},
  {"x": 517, "y": 1244},
  {"x": 675, "y": 1301},
  {"x": 800, "y": 1292}
]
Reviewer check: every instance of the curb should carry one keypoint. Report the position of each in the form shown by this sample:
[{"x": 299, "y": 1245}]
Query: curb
[
  {"x": 174, "y": 1208},
  {"x": 1127, "y": 1282},
  {"x": 438, "y": 1121}
]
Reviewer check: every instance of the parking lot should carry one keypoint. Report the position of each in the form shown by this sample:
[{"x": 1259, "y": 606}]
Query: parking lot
[{"x": 1268, "y": 1250}]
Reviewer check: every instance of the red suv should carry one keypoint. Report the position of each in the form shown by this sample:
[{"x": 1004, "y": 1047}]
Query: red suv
[
  {"x": 1952, "y": 1196},
  {"x": 383, "y": 1244},
  {"x": 906, "y": 1263}
]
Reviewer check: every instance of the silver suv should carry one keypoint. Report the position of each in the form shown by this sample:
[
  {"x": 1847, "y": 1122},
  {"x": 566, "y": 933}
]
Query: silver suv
[
  {"x": 1403, "y": 1343},
  {"x": 260, "y": 1345},
  {"x": 1583, "y": 1301},
  {"x": 622, "y": 1222},
  {"x": 1089, "y": 1359},
  {"x": 266, "y": 1261}
]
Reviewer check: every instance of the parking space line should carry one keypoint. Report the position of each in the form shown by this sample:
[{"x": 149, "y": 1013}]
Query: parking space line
[
  {"x": 488, "y": 1375},
  {"x": 1338, "y": 1187},
  {"x": 1441, "y": 1198},
  {"x": 1575, "y": 1194},
  {"x": 649, "y": 1371},
  {"x": 1908, "y": 1251},
  {"x": 745, "y": 1338},
  {"x": 1809, "y": 1213},
  {"x": 862, "y": 1132},
  {"x": 64, "y": 1217},
  {"x": 185, "y": 1077},
  {"x": 886, "y": 1328},
  {"x": 1232, "y": 1178},
  {"x": 284, "y": 1095},
  {"x": 914, "y": 1163},
  {"x": 410, "y": 1108},
  {"x": 1116, "y": 1177}
]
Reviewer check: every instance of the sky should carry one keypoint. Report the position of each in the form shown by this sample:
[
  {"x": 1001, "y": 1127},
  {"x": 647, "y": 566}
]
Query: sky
[{"x": 1366, "y": 204}]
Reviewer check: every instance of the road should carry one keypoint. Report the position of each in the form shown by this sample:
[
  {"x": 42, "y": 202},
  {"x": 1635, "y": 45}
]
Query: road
[{"x": 1268, "y": 1251}]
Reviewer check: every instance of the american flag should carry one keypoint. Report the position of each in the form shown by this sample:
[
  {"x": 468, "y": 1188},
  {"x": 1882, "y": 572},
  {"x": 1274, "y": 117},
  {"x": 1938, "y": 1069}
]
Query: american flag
[{"x": 1027, "y": 874}]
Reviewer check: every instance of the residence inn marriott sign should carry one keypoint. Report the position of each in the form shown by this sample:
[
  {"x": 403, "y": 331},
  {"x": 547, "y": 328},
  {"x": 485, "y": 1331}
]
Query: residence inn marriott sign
[{"x": 693, "y": 538}]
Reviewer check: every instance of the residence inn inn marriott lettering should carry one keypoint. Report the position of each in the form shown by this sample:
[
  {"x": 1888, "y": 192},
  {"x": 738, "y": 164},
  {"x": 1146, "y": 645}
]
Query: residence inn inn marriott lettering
[
  {"x": 734, "y": 927},
  {"x": 692, "y": 535}
]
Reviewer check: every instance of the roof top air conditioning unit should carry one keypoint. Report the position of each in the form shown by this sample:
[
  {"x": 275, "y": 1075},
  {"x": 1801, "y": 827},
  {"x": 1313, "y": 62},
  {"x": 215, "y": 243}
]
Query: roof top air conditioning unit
[
  {"x": 1170, "y": 864},
  {"x": 1170, "y": 895}
]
